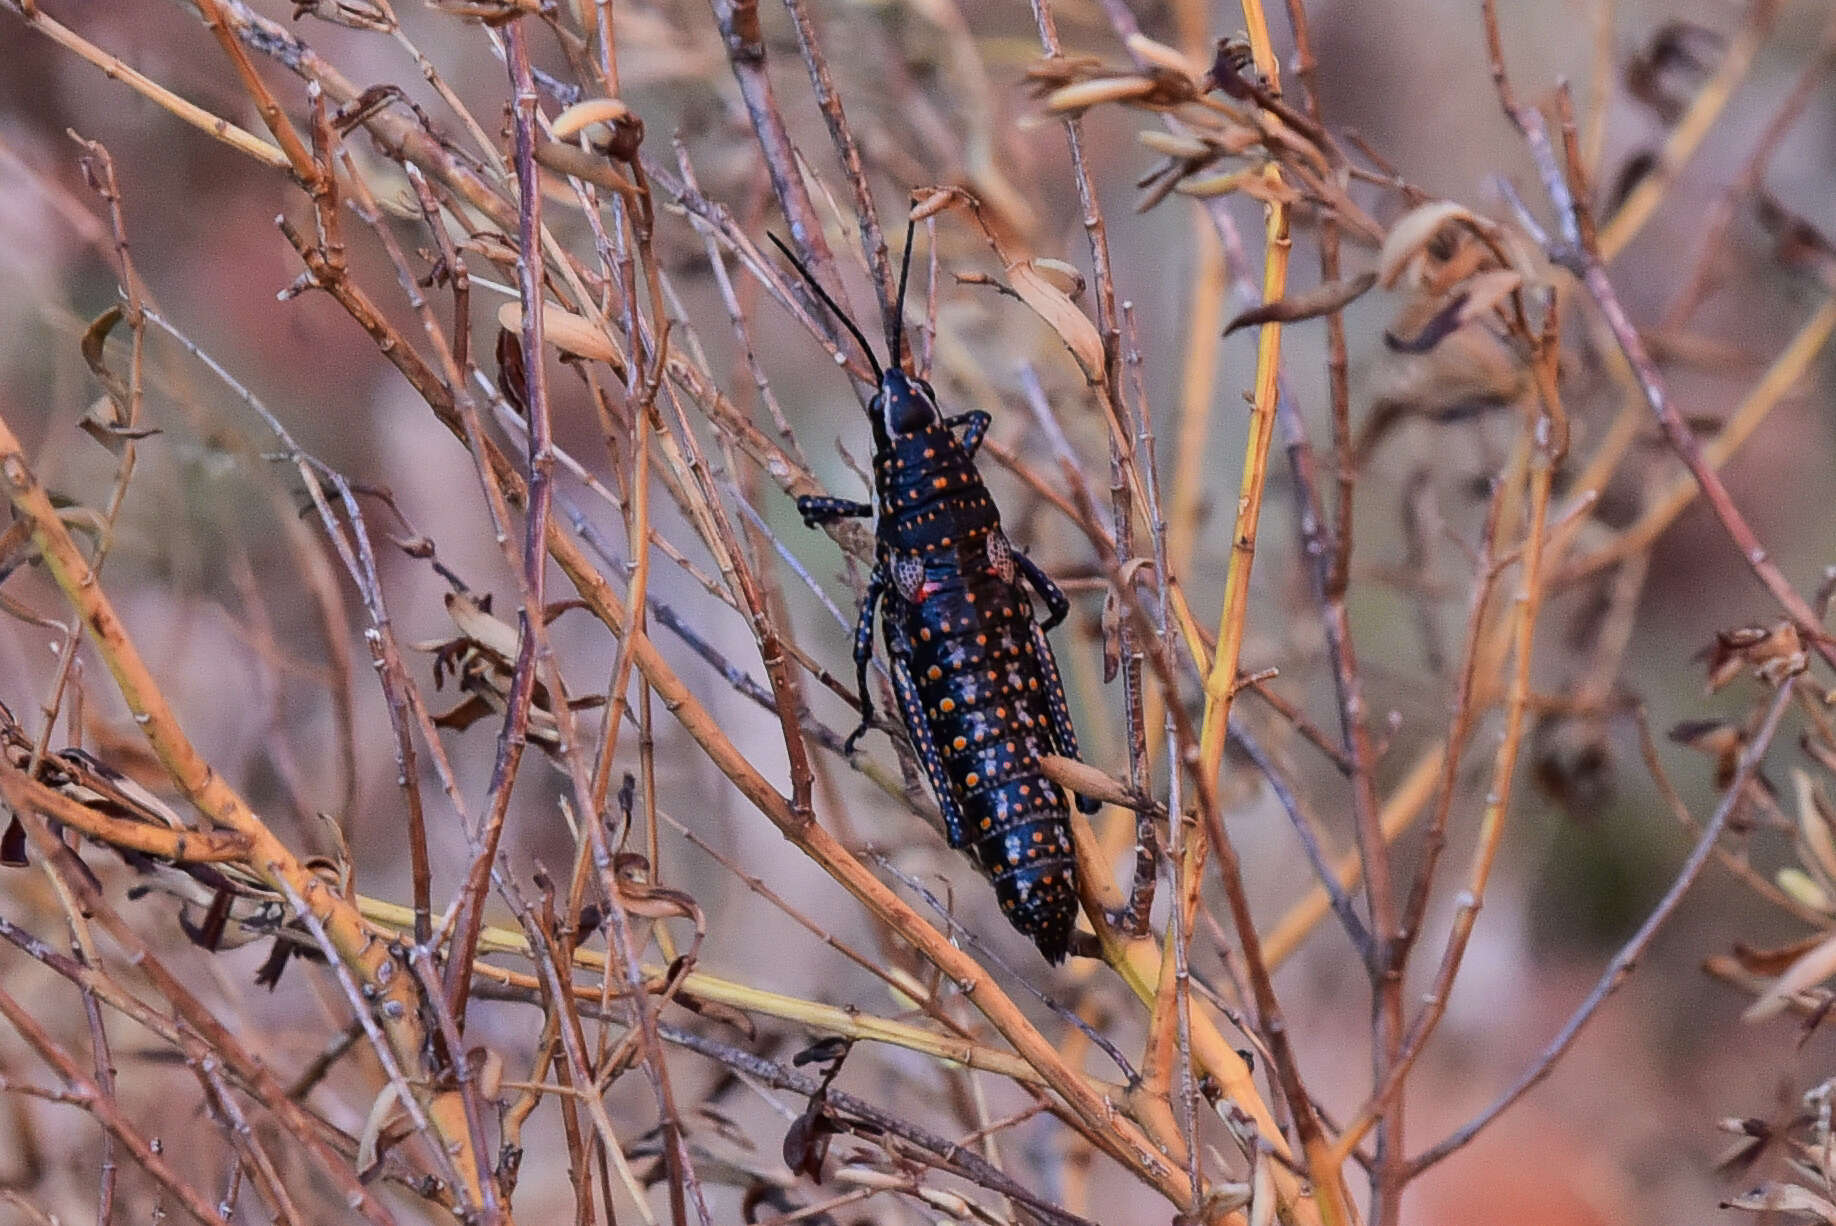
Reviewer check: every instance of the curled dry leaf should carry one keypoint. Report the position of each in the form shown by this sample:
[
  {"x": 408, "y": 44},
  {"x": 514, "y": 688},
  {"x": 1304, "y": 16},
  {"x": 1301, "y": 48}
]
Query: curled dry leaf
[
  {"x": 482, "y": 627},
  {"x": 1162, "y": 56},
  {"x": 1086, "y": 94},
  {"x": 580, "y": 164},
  {"x": 107, "y": 419},
  {"x": 567, "y": 332},
  {"x": 1085, "y": 780},
  {"x": 1487, "y": 291},
  {"x": 1413, "y": 232},
  {"x": 369, "y": 1141},
  {"x": 1774, "y": 961},
  {"x": 1157, "y": 89},
  {"x": 1308, "y": 304},
  {"x": 1777, "y": 1198},
  {"x": 1042, "y": 284},
  {"x": 487, "y": 1068},
  {"x": 582, "y": 115},
  {"x": 1183, "y": 145},
  {"x": 1773, "y": 653},
  {"x": 1039, "y": 290},
  {"x": 1065, "y": 277},
  {"x": 1807, "y": 972},
  {"x": 1228, "y": 183},
  {"x": 715, "y": 1011}
]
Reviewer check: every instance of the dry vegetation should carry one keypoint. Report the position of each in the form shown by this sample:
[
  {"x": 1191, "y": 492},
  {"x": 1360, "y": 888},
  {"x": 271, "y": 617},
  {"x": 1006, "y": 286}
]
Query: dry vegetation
[{"x": 424, "y": 787}]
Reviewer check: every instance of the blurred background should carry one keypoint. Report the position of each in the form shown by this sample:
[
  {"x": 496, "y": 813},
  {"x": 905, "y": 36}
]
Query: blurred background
[{"x": 206, "y": 566}]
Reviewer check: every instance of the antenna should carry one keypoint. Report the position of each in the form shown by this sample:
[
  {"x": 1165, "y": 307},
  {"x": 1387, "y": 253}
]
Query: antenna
[
  {"x": 853, "y": 330},
  {"x": 897, "y": 341}
]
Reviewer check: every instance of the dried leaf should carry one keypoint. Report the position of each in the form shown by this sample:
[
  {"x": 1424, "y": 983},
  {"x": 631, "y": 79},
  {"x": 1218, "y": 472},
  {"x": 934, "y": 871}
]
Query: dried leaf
[
  {"x": 107, "y": 419},
  {"x": 1308, "y": 304},
  {"x": 1065, "y": 277},
  {"x": 1098, "y": 90},
  {"x": 1485, "y": 292},
  {"x": 465, "y": 714},
  {"x": 1061, "y": 314},
  {"x": 1182, "y": 145},
  {"x": 806, "y": 1142},
  {"x": 1226, "y": 184},
  {"x": 589, "y": 167},
  {"x": 1814, "y": 823},
  {"x": 715, "y": 1011},
  {"x": 93, "y": 346},
  {"x": 1803, "y": 887},
  {"x": 512, "y": 377},
  {"x": 1772, "y": 962},
  {"x": 1085, "y": 780},
  {"x": 1783, "y": 1198},
  {"x": 1720, "y": 740},
  {"x": 102, "y": 424},
  {"x": 1047, "y": 74},
  {"x": 823, "y": 1051},
  {"x": 1415, "y": 229},
  {"x": 1808, "y": 971},
  {"x": 1262, "y": 1194},
  {"x": 368, "y": 1142},
  {"x": 581, "y": 115},
  {"x": 1162, "y": 56},
  {"x": 487, "y": 1067},
  {"x": 476, "y": 623},
  {"x": 567, "y": 332},
  {"x": 1773, "y": 653}
]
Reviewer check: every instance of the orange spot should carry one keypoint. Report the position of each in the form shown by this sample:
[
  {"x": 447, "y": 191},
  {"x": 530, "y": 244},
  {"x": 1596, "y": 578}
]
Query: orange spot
[
  {"x": 971, "y": 779},
  {"x": 948, "y": 704},
  {"x": 934, "y": 672},
  {"x": 960, "y": 742},
  {"x": 938, "y": 483}
]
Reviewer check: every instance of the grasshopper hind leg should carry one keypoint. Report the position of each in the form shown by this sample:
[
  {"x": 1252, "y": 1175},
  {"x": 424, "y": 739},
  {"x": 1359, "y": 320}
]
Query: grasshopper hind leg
[
  {"x": 1058, "y": 712},
  {"x": 924, "y": 745},
  {"x": 863, "y": 656}
]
